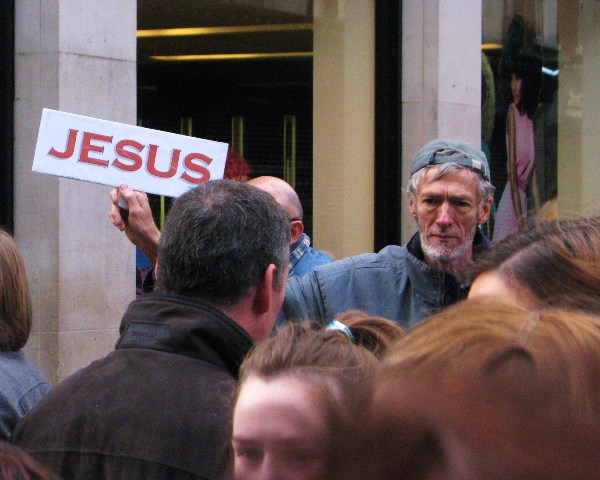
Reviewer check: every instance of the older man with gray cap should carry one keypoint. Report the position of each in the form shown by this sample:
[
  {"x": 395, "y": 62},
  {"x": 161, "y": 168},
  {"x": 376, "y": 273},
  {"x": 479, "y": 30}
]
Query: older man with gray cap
[{"x": 450, "y": 195}]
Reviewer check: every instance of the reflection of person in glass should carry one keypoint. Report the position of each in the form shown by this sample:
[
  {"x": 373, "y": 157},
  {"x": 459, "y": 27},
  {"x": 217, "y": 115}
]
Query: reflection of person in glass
[{"x": 512, "y": 209}]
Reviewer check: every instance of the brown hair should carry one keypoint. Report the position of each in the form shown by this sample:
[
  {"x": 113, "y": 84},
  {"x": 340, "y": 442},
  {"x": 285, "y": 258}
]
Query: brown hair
[
  {"x": 476, "y": 335},
  {"x": 557, "y": 261},
  {"x": 15, "y": 298},
  {"x": 307, "y": 348},
  {"x": 15, "y": 464},
  {"x": 327, "y": 360},
  {"x": 488, "y": 390},
  {"x": 337, "y": 372},
  {"x": 375, "y": 334}
]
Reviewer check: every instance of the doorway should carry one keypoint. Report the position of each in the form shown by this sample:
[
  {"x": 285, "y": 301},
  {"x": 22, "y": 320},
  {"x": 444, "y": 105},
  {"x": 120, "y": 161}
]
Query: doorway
[{"x": 238, "y": 72}]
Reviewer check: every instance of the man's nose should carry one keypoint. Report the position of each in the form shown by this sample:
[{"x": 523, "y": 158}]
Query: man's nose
[
  {"x": 270, "y": 469},
  {"x": 444, "y": 218}
]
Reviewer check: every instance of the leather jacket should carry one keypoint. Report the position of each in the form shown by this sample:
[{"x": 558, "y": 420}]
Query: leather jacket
[{"x": 395, "y": 283}]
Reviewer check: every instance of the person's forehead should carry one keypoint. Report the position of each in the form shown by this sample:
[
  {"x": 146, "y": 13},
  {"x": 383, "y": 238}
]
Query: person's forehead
[
  {"x": 287, "y": 401},
  {"x": 493, "y": 285},
  {"x": 458, "y": 182}
]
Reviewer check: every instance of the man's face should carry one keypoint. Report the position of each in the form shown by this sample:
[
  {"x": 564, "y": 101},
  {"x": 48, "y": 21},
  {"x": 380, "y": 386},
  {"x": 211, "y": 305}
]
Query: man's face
[{"x": 447, "y": 214}]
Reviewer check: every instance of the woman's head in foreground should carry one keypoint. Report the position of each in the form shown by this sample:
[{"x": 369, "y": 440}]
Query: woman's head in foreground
[
  {"x": 484, "y": 390},
  {"x": 295, "y": 388},
  {"x": 553, "y": 264}
]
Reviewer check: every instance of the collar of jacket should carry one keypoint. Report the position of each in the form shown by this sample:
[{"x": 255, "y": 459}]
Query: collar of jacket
[
  {"x": 443, "y": 289},
  {"x": 480, "y": 244},
  {"x": 180, "y": 325}
]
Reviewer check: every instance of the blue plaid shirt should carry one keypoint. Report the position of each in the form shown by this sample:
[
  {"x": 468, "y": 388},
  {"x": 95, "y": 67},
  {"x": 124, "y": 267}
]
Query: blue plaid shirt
[{"x": 303, "y": 258}]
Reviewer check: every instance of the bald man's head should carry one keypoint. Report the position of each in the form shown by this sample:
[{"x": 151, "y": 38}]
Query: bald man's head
[{"x": 283, "y": 193}]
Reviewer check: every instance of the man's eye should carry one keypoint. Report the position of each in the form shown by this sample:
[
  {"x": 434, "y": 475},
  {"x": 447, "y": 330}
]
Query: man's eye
[
  {"x": 302, "y": 457},
  {"x": 251, "y": 454}
]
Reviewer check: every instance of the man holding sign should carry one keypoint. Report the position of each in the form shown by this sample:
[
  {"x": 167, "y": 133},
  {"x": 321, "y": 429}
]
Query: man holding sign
[
  {"x": 139, "y": 226},
  {"x": 158, "y": 406}
]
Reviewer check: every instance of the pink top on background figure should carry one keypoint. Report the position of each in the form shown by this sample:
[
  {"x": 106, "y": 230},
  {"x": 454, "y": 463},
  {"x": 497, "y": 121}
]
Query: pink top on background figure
[
  {"x": 520, "y": 72},
  {"x": 524, "y": 157}
]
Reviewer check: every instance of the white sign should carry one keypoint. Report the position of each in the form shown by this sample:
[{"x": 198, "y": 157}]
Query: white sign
[{"x": 112, "y": 153}]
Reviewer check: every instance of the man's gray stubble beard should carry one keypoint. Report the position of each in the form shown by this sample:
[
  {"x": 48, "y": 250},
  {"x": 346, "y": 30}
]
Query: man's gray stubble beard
[{"x": 436, "y": 254}]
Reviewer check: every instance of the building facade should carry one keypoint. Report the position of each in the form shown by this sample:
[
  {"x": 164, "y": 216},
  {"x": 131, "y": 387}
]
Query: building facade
[{"x": 388, "y": 76}]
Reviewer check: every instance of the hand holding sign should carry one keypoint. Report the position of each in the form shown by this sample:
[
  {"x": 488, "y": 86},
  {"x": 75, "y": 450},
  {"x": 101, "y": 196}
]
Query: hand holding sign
[
  {"x": 114, "y": 153},
  {"x": 139, "y": 226}
]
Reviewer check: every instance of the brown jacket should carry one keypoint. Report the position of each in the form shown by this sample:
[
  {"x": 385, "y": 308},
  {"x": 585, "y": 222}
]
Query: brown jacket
[{"x": 157, "y": 407}]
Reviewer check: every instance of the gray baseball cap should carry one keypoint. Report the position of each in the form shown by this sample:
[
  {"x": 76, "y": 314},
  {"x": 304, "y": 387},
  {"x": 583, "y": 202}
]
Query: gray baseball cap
[{"x": 441, "y": 151}]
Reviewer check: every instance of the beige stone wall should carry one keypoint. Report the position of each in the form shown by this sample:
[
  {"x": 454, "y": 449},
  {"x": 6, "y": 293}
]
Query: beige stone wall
[
  {"x": 579, "y": 108},
  {"x": 76, "y": 56},
  {"x": 441, "y": 91},
  {"x": 441, "y": 78},
  {"x": 343, "y": 126}
]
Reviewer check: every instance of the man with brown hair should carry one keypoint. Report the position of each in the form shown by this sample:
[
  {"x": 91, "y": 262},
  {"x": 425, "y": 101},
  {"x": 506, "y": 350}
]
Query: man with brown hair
[
  {"x": 158, "y": 405},
  {"x": 141, "y": 230}
]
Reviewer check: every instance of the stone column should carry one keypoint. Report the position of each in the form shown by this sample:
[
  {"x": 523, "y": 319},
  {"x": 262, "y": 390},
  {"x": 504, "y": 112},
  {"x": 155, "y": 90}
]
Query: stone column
[
  {"x": 78, "y": 56},
  {"x": 343, "y": 126},
  {"x": 441, "y": 78},
  {"x": 578, "y": 108}
]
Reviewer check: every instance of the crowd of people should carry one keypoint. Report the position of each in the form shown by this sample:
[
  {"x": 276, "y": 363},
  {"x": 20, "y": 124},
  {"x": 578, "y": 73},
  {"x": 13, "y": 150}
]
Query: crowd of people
[{"x": 259, "y": 357}]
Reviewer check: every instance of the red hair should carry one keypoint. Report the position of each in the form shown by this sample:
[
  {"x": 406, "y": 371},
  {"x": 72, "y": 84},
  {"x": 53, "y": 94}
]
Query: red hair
[{"x": 236, "y": 167}]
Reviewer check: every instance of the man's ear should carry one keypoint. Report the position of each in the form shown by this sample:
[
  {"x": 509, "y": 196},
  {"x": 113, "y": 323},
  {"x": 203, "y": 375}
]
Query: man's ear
[
  {"x": 296, "y": 229},
  {"x": 412, "y": 204},
  {"x": 485, "y": 210},
  {"x": 263, "y": 296}
]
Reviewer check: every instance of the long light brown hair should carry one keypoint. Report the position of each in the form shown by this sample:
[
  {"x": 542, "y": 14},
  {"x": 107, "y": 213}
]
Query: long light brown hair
[
  {"x": 15, "y": 298},
  {"x": 485, "y": 390},
  {"x": 308, "y": 351},
  {"x": 557, "y": 261}
]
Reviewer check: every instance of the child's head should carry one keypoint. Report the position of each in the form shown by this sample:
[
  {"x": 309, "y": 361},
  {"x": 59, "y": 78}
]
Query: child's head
[{"x": 294, "y": 389}]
